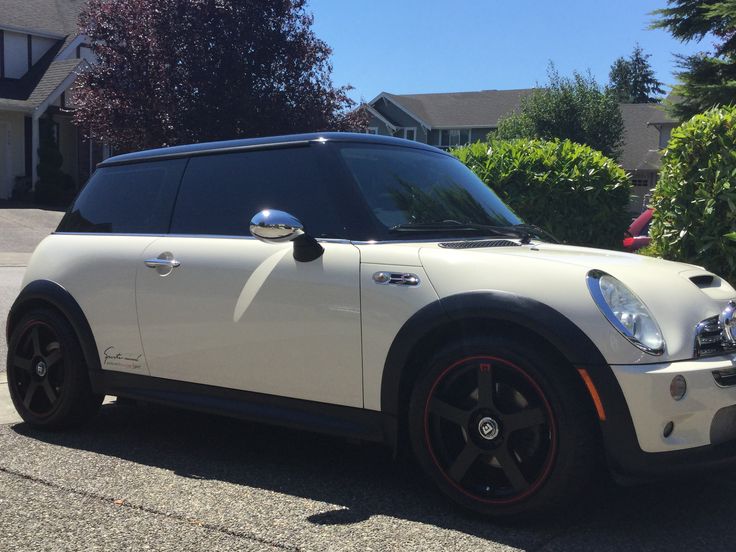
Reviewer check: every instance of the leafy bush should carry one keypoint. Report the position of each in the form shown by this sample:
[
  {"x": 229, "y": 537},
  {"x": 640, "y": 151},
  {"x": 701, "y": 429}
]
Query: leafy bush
[
  {"x": 695, "y": 198},
  {"x": 569, "y": 189}
]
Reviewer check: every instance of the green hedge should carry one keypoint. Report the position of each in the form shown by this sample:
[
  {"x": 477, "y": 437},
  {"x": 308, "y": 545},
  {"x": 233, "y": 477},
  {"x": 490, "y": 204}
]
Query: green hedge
[
  {"x": 569, "y": 189},
  {"x": 695, "y": 198}
]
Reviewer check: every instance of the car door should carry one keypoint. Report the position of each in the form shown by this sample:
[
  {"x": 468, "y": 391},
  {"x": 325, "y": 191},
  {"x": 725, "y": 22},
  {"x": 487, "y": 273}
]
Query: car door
[
  {"x": 218, "y": 307},
  {"x": 99, "y": 244}
]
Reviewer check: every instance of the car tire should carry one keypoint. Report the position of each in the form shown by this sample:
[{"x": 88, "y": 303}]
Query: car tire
[
  {"x": 503, "y": 430},
  {"x": 47, "y": 375}
]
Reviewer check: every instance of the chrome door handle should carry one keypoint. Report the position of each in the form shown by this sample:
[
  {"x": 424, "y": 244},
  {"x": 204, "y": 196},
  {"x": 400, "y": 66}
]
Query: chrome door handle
[{"x": 162, "y": 263}]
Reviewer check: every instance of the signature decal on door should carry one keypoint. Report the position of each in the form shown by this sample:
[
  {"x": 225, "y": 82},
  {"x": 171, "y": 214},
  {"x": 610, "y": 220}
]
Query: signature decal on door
[{"x": 122, "y": 360}]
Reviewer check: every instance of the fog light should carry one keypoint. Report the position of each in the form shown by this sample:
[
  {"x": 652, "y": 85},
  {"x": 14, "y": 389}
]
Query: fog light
[
  {"x": 678, "y": 387},
  {"x": 668, "y": 429}
]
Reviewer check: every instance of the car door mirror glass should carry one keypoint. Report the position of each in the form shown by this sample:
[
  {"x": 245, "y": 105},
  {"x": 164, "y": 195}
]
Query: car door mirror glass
[{"x": 273, "y": 226}]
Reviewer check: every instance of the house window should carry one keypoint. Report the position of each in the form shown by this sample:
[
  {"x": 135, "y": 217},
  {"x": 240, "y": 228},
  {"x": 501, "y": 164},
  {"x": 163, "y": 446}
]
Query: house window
[
  {"x": 408, "y": 133},
  {"x": 640, "y": 181},
  {"x": 371, "y": 130},
  {"x": 665, "y": 132},
  {"x": 454, "y": 137}
]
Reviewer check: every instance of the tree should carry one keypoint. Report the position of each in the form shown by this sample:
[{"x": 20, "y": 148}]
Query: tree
[
  {"x": 181, "y": 71},
  {"x": 632, "y": 80},
  {"x": 576, "y": 109},
  {"x": 706, "y": 79}
]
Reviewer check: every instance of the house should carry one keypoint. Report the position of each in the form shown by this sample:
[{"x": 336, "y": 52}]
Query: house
[
  {"x": 442, "y": 120},
  {"x": 452, "y": 119},
  {"x": 647, "y": 130},
  {"x": 41, "y": 55}
]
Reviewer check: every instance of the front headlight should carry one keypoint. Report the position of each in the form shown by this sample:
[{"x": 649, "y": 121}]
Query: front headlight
[{"x": 626, "y": 312}]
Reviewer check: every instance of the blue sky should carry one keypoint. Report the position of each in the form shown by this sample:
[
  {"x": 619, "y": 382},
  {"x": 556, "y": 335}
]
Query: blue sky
[{"x": 419, "y": 46}]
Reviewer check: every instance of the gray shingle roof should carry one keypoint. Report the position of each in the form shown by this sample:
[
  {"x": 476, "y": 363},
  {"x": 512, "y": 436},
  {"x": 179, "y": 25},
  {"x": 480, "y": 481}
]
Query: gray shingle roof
[
  {"x": 485, "y": 108},
  {"x": 459, "y": 109},
  {"x": 55, "y": 17},
  {"x": 641, "y": 137},
  {"x": 56, "y": 73}
]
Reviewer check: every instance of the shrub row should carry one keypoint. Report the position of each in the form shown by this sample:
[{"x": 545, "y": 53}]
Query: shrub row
[
  {"x": 569, "y": 189},
  {"x": 695, "y": 198}
]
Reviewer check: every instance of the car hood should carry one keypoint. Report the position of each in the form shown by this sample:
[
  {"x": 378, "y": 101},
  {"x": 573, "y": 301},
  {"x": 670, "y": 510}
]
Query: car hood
[{"x": 679, "y": 295}]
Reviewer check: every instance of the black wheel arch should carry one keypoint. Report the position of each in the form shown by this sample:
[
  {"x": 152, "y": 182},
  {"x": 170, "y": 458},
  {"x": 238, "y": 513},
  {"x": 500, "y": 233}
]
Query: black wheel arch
[
  {"x": 49, "y": 294},
  {"x": 475, "y": 310}
]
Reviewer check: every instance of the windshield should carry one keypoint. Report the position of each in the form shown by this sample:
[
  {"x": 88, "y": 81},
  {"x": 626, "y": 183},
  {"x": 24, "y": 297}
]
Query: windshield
[{"x": 406, "y": 187}]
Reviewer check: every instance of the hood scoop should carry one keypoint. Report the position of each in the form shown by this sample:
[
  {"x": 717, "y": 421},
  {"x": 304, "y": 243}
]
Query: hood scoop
[
  {"x": 702, "y": 280},
  {"x": 473, "y": 244}
]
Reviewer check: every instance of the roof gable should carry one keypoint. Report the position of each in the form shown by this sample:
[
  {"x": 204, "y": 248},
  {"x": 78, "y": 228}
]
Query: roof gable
[{"x": 459, "y": 109}]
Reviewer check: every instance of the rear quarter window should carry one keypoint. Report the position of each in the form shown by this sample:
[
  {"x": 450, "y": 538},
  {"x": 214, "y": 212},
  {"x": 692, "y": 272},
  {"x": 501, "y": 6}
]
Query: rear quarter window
[{"x": 131, "y": 199}]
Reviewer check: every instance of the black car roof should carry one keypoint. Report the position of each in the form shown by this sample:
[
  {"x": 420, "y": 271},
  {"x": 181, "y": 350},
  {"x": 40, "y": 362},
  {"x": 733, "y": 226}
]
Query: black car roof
[{"x": 258, "y": 143}]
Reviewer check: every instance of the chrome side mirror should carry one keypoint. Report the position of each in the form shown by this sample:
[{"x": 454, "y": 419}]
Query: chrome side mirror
[{"x": 273, "y": 226}]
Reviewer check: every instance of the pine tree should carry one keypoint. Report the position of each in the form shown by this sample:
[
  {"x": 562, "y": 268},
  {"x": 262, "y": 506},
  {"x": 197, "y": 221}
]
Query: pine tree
[
  {"x": 632, "y": 80},
  {"x": 706, "y": 79}
]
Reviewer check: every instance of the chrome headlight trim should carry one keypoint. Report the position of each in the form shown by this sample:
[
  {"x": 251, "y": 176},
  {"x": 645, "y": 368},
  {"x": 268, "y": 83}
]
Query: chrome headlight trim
[{"x": 593, "y": 280}]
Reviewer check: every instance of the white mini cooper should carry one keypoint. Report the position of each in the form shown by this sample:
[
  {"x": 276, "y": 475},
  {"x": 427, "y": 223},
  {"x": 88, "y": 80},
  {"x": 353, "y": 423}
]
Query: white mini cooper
[{"x": 374, "y": 288}]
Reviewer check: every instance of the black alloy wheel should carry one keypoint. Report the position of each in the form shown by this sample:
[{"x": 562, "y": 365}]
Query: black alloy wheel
[
  {"x": 489, "y": 429},
  {"x": 503, "y": 428},
  {"x": 47, "y": 376},
  {"x": 36, "y": 370}
]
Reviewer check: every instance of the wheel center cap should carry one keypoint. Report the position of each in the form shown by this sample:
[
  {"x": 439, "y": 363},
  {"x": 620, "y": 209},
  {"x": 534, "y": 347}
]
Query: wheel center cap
[
  {"x": 41, "y": 369},
  {"x": 488, "y": 428}
]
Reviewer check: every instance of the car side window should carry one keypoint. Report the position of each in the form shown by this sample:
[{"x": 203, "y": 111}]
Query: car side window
[
  {"x": 129, "y": 199},
  {"x": 220, "y": 193}
]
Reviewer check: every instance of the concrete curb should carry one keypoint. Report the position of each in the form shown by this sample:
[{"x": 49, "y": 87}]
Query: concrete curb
[{"x": 14, "y": 259}]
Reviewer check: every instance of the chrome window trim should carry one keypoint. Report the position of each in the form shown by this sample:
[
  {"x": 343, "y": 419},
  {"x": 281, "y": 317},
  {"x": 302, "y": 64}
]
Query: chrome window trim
[
  {"x": 227, "y": 236},
  {"x": 592, "y": 280},
  {"x": 208, "y": 236}
]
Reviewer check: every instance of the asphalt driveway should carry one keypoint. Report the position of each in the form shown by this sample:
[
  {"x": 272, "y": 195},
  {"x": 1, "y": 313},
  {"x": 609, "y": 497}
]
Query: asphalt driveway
[{"x": 144, "y": 477}]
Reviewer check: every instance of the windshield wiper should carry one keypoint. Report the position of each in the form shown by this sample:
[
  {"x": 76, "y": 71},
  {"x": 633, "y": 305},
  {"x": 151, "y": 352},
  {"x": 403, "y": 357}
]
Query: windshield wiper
[
  {"x": 522, "y": 231},
  {"x": 534, "y": 230},
  {"x": 457, "y": 225}
]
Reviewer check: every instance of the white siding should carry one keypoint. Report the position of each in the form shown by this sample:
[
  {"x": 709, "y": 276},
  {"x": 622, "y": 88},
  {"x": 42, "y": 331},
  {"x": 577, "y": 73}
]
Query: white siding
[{"x": 41, "y": 45}]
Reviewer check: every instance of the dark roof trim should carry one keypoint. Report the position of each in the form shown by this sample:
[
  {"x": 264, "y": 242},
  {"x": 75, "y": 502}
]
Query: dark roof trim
[
  {"x": 124, "y": 160},
  {"x": 249, "y": 144}
]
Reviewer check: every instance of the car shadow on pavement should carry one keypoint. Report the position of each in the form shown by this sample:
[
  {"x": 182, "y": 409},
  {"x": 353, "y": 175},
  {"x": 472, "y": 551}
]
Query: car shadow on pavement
[{"x": 364, "y": 481}]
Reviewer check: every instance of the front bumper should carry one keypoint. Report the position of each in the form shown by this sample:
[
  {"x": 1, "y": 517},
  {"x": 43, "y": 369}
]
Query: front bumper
[{"x": 706, "y": 415}]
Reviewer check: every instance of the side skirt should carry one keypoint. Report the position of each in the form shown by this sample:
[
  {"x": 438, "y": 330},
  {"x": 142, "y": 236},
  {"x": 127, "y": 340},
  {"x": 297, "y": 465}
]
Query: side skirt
[{"x": 342, "y": 421}]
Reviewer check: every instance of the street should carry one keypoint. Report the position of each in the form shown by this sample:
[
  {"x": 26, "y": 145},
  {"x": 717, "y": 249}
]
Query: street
[{"x": 148, "y": 477}]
